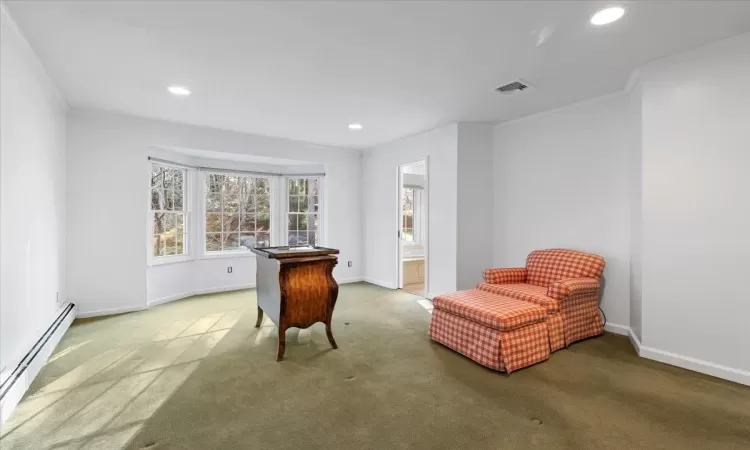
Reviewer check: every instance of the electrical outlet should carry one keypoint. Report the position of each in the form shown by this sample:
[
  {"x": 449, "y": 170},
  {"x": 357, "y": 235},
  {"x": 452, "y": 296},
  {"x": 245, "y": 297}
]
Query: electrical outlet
[
  {"x": 229, "y": 269},
  {"x": 350, "y": 264}
]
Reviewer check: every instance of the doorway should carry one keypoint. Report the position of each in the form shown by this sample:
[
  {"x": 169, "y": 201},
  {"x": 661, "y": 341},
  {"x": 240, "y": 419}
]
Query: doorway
[{"x": 412, "y": 228}]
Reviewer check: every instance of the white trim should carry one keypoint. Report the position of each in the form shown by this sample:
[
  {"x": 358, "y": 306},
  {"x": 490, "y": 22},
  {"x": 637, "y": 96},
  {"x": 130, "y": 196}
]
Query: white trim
[
  {"x": 110, "y": 311},
  {"x": 685, "y": 362},
  {"x": 384, "y": 284},
  {"x": 546, "y": 112},
  {"x": 697, "y": 365},
  {"x": 634, "y": 341},
  {"x": 227, "y": 254},
  {"x": 22, "y": 383},
  {"x": 213, "y": 290},
  {"x": 617, "y": 329},
  {"x": 350, "y": 280}
]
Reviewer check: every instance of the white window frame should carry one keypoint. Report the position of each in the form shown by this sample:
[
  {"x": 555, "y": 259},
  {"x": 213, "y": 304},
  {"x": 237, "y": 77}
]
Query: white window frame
[
  {"x": 201, "y": 235},
  {"x": 187, "y": 217},
  {"x": 284, "y": 203}
]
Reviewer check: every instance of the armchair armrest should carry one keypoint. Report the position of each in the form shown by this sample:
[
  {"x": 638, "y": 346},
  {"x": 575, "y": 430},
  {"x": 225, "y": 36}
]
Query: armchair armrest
[
  {"x": 567, "y": 287},
  {"x": 505, "y": 276}
]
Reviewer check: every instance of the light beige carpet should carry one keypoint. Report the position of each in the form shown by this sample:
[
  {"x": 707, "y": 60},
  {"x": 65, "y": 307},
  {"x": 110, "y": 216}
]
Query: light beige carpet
[{"x": 196, "y": 374}]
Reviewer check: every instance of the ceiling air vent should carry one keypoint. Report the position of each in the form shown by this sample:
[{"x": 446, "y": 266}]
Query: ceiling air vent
[{"x": 515, "y": 86}]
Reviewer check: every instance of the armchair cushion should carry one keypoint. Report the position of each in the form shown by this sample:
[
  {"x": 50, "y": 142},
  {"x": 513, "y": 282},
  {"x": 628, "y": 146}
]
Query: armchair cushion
[
  {"x": 565, "y": 288},
  {"x": 543, "y": 267},
  {"x": 525, "y": 292},
  {"x": 505, "y": 276}
]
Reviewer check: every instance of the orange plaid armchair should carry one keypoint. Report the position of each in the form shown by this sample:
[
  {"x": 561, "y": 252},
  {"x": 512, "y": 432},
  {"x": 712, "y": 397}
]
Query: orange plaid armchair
[{"x": 564, "y": 282}]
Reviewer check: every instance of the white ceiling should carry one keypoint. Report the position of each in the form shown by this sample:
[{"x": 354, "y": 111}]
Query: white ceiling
[{"x": 305, "y": 70}]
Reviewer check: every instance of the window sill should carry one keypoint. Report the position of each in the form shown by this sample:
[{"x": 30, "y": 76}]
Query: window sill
[
  {"x": 161, "y": 260},
  {"x": 235, "y": 254}
]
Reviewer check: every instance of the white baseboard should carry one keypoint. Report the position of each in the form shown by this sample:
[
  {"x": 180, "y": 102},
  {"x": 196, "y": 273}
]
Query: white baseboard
[
  {"x": 213, "y": 290},
  {"x": 617, "y": 329},
  {"x": 686, "y": 362},
  {"x": 350, "y": 280},
  {"x": 697, "y": 365},
  {"x": 29, "y": 368},
  {"x": 110, "y": 311},
  {"x": 634, "y": 341},
  {"x": 384, "y": 284}
]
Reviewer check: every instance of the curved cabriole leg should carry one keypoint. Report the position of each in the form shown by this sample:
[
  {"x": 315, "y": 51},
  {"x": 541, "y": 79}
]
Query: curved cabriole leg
[
  {"x": 282, "y": 344},
  {"x": 330, "y": 334},
  {"x": 260, "y": 318}
]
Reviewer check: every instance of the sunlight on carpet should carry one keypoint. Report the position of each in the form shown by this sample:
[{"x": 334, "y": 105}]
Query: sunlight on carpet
[{"x": 104, "y": 402}]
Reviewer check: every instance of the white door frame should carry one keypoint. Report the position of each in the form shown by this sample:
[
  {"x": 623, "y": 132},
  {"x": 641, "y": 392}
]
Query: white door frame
[{"x": 425, "y": 224}]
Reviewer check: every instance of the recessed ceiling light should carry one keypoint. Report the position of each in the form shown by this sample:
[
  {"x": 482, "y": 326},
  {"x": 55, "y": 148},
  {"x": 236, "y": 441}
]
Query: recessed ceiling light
[
  {"x": 179, "y": 90},
  {"x": 355, "y": 126},
  {"x": 608, "y": 15}
]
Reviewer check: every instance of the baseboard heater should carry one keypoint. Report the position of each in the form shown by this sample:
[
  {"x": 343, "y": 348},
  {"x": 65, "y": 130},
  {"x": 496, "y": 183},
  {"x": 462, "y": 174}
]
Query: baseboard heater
[{"x": 15, "y": 385}]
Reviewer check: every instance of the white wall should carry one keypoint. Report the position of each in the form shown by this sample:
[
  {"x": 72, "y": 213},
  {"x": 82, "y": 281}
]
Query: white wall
[
  {"x": 32, "y": 196},
  {"x": 634, "y": 143},
  {"x": 561, "y": 180},
  {"x": 475, "y": 234},
  {"x": 108, "y": 179},
  {"x": 696, "y": 207},
  {"x": 380, "y": 199}
]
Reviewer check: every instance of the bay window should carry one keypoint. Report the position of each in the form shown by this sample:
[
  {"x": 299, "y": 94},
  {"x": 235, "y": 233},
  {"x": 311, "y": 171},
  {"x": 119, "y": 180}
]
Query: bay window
[
  {"x": 168, "y": 211},
  {"x": 303, "y": 211},
  {"x": 237, "y": 212}
]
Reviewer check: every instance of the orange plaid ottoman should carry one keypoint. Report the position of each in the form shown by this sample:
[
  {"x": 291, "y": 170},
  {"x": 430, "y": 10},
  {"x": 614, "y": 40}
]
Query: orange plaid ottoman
[{"x": 496, "y": 331}]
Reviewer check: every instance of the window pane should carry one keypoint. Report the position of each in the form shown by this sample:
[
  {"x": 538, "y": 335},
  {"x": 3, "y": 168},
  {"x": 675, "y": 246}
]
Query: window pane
[
  {"x": 180, "y": 244},
  {"x": 158, "y": 223},
  {"x": 292, "y": 238},
  {"x": 302, "y": 222},
  {"x": 293, "y": 186},
  {"x": 248, "y": 186},
  {"x": 263, "y": 222},
  {"x": 170, "y": 241},
  {"x": 303, "y": 201},
  {"x": 232, "y": 193},
  {"x": 247, "y": 222},
  {"x": 159, "y": 245},
  {"x": 263, "y": 239},
  {"x": 312, "y": 238},
  {"x": 292, "y": 222},
  {"x": 248, "y": 203},
  {"x": 262, "y": 186},
  {"x": 314, "y": 205},
  {"x": 157, "y": 199},
  {"x": 213, "y": 202},
  {"x": 213, "y": 223},
  {"x": 293, "y": 203},
  {"x": 169, "y": 222},
  {"x": 214, "y": 184},
  {"x": 179, "y": 223},
  {"x": 168, "y": 200},
  {"x": 179, "y": 179},
  {"x": 247, "y": 240},
  {"x": 312, "y": 222},
  {"x": 230, "y": 222},
  {"x": 213, "y": 242},
  {"x": 234, "y": 202},
  {"x": 314, "y": 187},
  {"x": 231, "y": 241},
  {"x": 178, "y": 200},
  {"x": 263, "y": 203}
]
